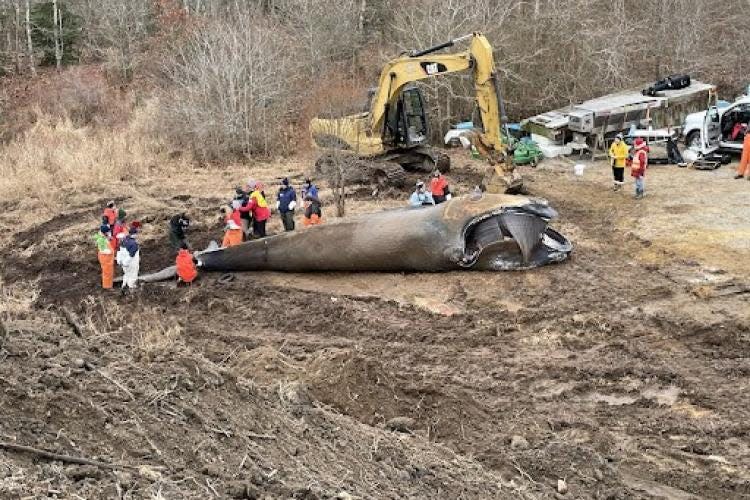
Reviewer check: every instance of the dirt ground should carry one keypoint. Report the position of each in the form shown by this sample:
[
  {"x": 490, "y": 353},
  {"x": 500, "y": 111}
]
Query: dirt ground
[{"x": 623, "y": 372}]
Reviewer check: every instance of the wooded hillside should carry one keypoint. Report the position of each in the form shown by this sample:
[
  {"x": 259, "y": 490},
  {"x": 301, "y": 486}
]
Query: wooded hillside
[{"x": 233, "y": 78}]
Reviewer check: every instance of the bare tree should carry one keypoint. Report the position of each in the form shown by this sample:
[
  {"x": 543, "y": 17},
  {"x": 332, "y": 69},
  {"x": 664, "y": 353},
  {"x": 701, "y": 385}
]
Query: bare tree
[
  {"x": 29, "y": 44},
  {"x": 17, "y": 34},
  {"x": 57, "y": 34},
  {"x": 327, "y": 31},
  {"x": 232, "y": 87},
  {"x": 117, "y": 31}
]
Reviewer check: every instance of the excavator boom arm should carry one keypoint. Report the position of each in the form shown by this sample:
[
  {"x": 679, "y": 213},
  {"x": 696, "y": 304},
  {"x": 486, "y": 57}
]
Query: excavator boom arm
[{"x": 422, "y": 65}]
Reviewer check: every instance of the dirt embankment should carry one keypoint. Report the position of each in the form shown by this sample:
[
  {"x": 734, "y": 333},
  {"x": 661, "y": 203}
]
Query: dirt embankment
[{"x": 619, "y": 375}]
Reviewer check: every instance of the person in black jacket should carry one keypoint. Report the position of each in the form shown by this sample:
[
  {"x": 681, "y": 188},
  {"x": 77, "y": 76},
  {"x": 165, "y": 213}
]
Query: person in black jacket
[
  {"x": 177, "y": 227},
  {"x": 241, "y": 200}
]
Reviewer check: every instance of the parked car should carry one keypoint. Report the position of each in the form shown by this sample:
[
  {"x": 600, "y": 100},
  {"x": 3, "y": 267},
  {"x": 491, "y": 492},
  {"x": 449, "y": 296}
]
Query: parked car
[{"x": 718, "y": 128}]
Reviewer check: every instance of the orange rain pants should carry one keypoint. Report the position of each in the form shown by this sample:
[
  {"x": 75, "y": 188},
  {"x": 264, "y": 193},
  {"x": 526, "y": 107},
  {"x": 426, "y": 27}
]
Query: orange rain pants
[
  {"x": 107, "y": 261},
  {"x": 744, "y": 166},
  {"x": 312, "y": 221},
  {"x": 232, "y": 237}
]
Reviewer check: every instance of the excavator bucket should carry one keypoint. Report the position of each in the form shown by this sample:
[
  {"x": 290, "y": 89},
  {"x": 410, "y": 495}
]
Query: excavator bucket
[{"x": 501, "y": 181}]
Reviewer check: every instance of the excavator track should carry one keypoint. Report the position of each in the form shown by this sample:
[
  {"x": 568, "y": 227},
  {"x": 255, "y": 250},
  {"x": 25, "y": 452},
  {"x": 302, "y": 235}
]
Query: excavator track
[
  {"x": 388, "y": 173},
  {"x": 420, "y": 159},
  {"x": 387, "y": 169},
  {"x": 358, "y": 170}
]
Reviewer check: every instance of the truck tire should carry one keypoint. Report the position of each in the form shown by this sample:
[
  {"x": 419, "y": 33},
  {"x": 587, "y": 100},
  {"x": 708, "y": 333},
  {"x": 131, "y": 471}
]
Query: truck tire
[{"x": 693, "y": 140}]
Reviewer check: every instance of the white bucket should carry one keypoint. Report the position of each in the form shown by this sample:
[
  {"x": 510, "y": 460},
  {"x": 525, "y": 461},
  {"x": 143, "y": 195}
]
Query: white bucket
[{"x": 578, "y": 168}]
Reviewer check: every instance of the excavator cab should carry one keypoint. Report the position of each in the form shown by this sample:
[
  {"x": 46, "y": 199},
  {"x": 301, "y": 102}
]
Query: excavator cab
[{"x": 406, "y": 124}]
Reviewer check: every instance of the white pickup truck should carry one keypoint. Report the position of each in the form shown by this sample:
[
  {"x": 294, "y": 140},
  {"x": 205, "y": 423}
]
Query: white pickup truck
[{"x": 712, "y": 130}]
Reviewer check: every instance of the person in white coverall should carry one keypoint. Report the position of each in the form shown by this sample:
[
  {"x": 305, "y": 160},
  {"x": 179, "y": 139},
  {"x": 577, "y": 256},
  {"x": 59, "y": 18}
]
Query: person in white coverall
[{"x": 129, "y": 258}]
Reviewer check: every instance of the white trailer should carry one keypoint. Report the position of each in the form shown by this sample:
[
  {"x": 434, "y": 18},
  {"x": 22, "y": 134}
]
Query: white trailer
[{"x": 594, "y": 120}]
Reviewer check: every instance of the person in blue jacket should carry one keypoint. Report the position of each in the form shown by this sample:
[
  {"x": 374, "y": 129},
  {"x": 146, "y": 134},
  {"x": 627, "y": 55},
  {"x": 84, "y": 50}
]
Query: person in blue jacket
[
  {"x": 286, "y": 202},
  {"x": 308, "y": 188},
  {"x": 421, "y": 196}
]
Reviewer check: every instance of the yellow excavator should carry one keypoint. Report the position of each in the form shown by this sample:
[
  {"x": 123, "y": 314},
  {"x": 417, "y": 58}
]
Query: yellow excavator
[{"x": 392, "y": 135}]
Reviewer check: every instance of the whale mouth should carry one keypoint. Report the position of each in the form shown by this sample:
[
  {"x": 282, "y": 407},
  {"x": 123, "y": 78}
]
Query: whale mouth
[{"x": 522, "y": 233}]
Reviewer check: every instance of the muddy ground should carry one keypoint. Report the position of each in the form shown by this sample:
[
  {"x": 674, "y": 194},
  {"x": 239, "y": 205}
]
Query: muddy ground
[{"x": 623, "y": 372}]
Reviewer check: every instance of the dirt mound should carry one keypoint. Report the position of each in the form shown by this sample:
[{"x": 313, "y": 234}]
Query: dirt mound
[{"x": 175, "y": 423}]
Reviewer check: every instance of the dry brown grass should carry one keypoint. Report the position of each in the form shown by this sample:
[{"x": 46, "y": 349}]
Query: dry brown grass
[
  {"x": 154, "y": 335},
  {"x": 17, "y": 299},
  {"x": 54, "y": 159}
]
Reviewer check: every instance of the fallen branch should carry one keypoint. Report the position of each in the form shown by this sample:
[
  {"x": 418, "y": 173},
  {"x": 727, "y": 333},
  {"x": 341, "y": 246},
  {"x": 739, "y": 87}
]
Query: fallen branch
[
  {"x": 216, "y": 493},
  {"x": 260, "y": 436},
  {"x": 143, "y": 434},
  {"x": 71, "y": 320},
  {"x": 219, "y": 431},
  {"x": 116, "y": 383},
  {"x": 59, "y": 457}
]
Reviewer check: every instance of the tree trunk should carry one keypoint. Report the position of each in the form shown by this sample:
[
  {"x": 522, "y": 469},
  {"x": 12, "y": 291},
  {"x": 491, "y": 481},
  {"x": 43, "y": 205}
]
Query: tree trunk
[
  {"x": 57, "y": 35},
  {"x": 60, "y": 31},
  {"x": 29, "y": 45},
  {"x": 339, "y": 190},
  {"x": 17, "y": 35},
  {"x": 361, "y": 20}
]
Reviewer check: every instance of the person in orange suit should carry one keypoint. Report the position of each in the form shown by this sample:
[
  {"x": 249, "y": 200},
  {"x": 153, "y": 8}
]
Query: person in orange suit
[
  {"x": 106, "y": 255},
  {"x": 233, "y": 233},
  {"x": 186, "y": 269},
  {"x": 743, "y": 170},
  {"x": 110, "y": 213}
]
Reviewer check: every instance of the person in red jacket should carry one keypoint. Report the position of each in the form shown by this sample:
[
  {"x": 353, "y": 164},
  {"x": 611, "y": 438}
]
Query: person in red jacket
[
  {"x": 259, "y": 208},
  {"x": 120, "y": 230},
  {"x": 638, "y": 166},
  {"x": 439, "y": 187},
  {"x": 186, "y": 269}
]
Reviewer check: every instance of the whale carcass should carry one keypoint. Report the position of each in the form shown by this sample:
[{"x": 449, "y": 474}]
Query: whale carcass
[{"x": 488, "y": 232}]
